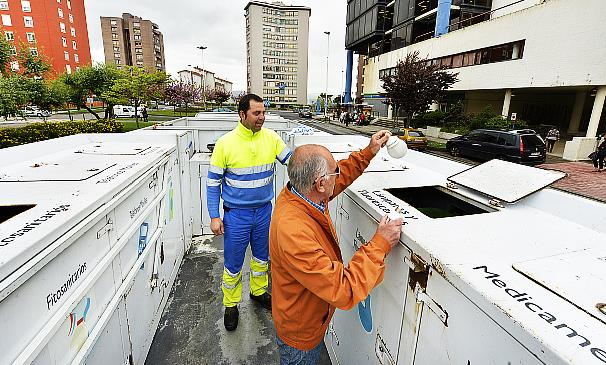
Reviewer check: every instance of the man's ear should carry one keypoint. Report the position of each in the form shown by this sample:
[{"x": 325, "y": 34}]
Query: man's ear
[
  {"x": 242, "y": 115},
  {"x": 320, "y": 185}
]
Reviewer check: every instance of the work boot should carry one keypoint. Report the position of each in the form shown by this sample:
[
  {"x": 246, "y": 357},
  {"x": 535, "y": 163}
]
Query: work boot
[
  {"x": 264, "y": 300},
  {"x": 230, "y": 319}
]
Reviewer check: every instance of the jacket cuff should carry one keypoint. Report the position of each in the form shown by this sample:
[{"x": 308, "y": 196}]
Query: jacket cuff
[
  {"x": 381, "y": 243},
  {"x": 367, "y": 154}
]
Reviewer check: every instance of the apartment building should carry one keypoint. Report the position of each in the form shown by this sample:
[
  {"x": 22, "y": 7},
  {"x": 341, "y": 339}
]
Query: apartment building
[
  {"x": 55, "y": 29},
  {"x": 205, "y": 80},
  {"x": 132, "y": 41},
  {"x": 277, "y": 42},
  {"x": 543, "y": 60}
]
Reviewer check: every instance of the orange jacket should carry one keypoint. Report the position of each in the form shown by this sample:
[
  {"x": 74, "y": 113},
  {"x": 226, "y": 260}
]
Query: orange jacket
[{"x": 308, "y": 276}]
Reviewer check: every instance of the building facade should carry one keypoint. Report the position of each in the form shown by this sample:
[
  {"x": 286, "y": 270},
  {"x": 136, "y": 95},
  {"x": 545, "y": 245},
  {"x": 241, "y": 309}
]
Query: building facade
[
  {"x": 56, "y": 30},
  {"x": 277, "y": 42},
  {"x": 132, "y": 41},
  {"x": 205, "y": 80},
  {"x": 536, "y": 58}
]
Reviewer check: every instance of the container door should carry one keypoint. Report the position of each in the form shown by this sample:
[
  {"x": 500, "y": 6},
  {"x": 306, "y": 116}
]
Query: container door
[
  {"x": 112, "y": 346},
  {"x": 186, "y": 151},
  {"x": 470, "y": 337},
  {"x": 370, "y": 332}
]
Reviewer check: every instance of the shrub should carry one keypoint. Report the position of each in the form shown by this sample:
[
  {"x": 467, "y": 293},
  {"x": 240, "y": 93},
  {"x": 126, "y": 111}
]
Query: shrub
[
  {"x": 36, "y": 132},
  {"x": 433, "y": 118}
]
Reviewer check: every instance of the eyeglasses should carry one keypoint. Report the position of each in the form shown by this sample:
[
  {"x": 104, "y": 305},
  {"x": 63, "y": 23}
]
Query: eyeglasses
[{"x": 336, "y": 173}]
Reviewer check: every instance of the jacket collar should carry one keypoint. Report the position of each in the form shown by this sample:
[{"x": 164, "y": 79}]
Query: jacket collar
[
  {"x": 242, "y": 130},
  {"x": 322, "y": 218}
]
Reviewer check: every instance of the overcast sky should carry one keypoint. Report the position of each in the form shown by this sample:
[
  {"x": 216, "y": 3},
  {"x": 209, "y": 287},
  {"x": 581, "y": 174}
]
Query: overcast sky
[{"x": 219, "y": 25}]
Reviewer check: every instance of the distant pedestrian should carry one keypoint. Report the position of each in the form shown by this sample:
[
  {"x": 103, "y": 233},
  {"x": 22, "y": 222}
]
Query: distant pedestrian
[
  {"x": 347, "y": 119},
  {"x": 600, "y": 154},
  {"x": 552, "y": 136},
  {"x": 362, "y": 118},
  {"x": 144, "y": 114}
]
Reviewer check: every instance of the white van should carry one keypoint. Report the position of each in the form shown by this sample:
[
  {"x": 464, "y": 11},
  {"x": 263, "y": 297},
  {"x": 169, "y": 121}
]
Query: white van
[{"x": 124, "y": 111}]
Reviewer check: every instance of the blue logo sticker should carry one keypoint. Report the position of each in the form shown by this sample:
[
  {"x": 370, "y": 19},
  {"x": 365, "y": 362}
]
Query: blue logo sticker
[{"x": 365, "y": 313}]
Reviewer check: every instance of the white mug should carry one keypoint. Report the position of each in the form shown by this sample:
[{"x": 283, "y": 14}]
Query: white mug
[{"x": 396, "y": 147}]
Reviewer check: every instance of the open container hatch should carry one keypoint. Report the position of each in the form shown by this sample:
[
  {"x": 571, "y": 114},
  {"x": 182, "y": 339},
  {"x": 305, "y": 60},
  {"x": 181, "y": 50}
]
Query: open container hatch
[
  {"x": 506, "y": 181},
  {"x": 439, "y": 202}
]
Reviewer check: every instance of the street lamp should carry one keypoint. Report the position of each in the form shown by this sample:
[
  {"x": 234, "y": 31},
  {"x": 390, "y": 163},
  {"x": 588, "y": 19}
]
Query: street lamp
[
  {"x": 202, "y": 48},
  {"x": 326, "y": 94}
]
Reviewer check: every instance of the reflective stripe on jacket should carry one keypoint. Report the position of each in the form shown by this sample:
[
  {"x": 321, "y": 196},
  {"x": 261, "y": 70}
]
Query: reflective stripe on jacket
[
  {"x": 242, "y": 168},
  {"x": 309, "y": 278}
]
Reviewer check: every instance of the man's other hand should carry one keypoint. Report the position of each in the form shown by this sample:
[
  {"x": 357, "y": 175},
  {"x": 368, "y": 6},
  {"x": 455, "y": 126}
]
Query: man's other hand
[
  {"x": 378, "y": 140},
  {"x": 216, "y": 225},
  {"x": 390, "y": 229}
]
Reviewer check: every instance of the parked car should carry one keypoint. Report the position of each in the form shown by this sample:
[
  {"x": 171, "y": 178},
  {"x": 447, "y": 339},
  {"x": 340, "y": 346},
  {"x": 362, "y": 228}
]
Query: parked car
[
  {"x": 34, "y": 111},
  {"x": 305, "y": 113},
  {"x": 414, "y": 138},
  {"x": 521, "y": 146},
  {"x": 223, "y": 110}
]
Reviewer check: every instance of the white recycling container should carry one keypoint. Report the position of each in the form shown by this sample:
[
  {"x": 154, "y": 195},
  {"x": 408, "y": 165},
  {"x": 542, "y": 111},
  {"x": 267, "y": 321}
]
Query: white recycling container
[
  {"x": 91, "y": 242},
  {"x": 492, "y": 267}
]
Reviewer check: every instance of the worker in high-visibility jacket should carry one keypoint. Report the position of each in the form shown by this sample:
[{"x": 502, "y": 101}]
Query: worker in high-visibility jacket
[{"x": 241, "y": 172}]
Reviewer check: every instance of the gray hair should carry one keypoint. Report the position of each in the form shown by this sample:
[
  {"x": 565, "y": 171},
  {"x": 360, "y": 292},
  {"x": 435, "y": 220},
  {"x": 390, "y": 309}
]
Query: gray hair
[{"x": 304, "y": 169}]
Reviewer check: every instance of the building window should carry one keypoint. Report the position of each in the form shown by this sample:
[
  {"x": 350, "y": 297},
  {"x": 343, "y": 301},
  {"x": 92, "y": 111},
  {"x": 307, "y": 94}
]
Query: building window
[
  {"x": 15, "y": 66},
  {"x": 74, "y": 45},
  {"x": 6, "y": 20},
  {"x": 66, "y": 55},
  {"x": 64, "y": 41},
  {"x": 25, "y": 6},
  {"x": 33, "y": 51},
  {"x": 31, "y": 37},
  {"x": 115, "y": 43},
  {"x": 12, "y": 50},
  {"x": 3, "y": 4},
  {"x": 73, "y": 31},
  {"x": 114, "y": 36},
  {"x": 137, "y": 37},
  {"x": 69, "y": 4},
  {"x": 116, "y": 55},
  {"x": 117, "y": 61},
  {"x": 28, "y": 21},
  {"x": 68, "y": 69},
  {"x": 60, "y": 12},
  {"x": 62, "y": 27},
  {"x": 113, "y": 22},
  {"x": 136, "y": 24},
  {"x": 139, "y": 57},
  {"x": 116, "y": 49},
  {"x": 76, "y": 58},
  {"x": 10, "y": 36},
  {"x": 71, "y": 18},
  {"x": 138, "y": 50}
]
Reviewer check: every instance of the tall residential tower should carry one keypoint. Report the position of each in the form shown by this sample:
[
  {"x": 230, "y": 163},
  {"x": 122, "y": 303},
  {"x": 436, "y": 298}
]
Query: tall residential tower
[
  {"x": 277, "y": 40},
  {"x": 132, "y": 41}
]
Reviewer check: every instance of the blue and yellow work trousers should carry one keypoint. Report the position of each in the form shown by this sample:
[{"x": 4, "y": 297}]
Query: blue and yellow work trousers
[{"x": 244, "y": 226}]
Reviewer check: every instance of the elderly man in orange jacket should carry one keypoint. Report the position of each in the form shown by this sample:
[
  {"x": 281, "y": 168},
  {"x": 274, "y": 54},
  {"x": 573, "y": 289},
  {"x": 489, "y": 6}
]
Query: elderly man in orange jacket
[{"x": 309, "y": 279}]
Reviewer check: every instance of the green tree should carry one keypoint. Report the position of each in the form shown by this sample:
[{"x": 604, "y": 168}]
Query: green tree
[
  {"x": 137, "y": 86},
  {"x": 5, "y": 55},
  {"x": 88, "y": 81},
  {"x": 32, "y": 66},
  {"x": 415, "y": 84},
  {"x": 13, "y": 95}
]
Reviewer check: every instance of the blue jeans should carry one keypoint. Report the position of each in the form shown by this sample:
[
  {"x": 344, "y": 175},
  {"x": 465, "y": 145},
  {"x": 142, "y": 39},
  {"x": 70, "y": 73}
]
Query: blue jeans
[{"x": 292, "y": 356}]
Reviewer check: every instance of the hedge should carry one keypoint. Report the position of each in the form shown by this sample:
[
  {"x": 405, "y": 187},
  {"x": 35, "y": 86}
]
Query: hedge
[{"x": 36, "y": 132}]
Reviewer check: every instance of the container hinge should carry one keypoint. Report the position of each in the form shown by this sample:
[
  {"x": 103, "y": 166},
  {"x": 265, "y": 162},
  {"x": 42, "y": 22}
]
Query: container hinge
[
  {"x": 415, "y": 263},
  {"x": 333, "y": 333},
  {"x": 105, "y": 229},
  {"x": 343, "y": 212},
  {"x": 382, "y": 352},
  {"x": 154, "y": 182},
  {"x": 496, "y": 203},
  {"x": 451, "y": 185},
  {"x": 422, "y": 297},
  {"x": 153, "y": 281}
]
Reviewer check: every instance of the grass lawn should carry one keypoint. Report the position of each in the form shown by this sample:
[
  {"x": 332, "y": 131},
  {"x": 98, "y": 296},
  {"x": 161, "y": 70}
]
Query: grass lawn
[
  {"x": 131, "y": 125},
  {"x": 170, "y": 113}
]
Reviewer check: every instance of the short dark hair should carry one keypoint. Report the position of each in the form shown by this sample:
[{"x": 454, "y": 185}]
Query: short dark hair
[{"x": 244, "y": 103}]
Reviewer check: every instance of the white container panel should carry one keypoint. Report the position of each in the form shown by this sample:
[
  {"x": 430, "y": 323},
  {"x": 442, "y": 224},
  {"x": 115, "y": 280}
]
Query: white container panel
[
  {"x": 380, "y": 314},
  {"x": 73, "y": 332},
  {"x": 48, "y": 289},
  {"x": 471, "y": 337},
  {"x": 138, "y": 242},
  {"x": 110, "y": 345},
  {"x": 132, "y": 207},
  {"x": 143, "y": 306}
]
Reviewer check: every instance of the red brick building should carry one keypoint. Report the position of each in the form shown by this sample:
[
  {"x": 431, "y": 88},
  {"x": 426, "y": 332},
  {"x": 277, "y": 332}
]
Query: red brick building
[{"x": 54, "y": 28}]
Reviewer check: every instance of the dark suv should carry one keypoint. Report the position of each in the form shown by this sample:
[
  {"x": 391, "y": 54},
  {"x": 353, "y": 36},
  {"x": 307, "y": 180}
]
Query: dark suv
[{"x": 521, "y": 146}]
